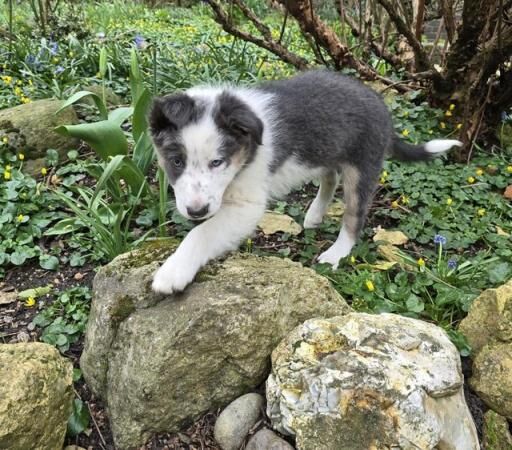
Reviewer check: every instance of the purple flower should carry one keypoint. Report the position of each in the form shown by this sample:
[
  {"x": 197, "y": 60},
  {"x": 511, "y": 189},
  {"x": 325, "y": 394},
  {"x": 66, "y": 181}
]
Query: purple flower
[
  {"x": 439, "y": 239},
  {"x": 140, "y": 42},
  {"x": 452, "y": 264}
]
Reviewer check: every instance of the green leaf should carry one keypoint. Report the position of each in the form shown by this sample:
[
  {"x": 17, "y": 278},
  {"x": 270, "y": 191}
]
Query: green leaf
[
  {"x": 81, "y": 94},
  {"x": 79, "y": 419},
  {"x": 49, "y": 262},
  {"x": 120, "y": 115},
  {"x": 499, "y": 273},
  {"x": 18, "y": 258},
  {"x": 36, "y": 292},
  {"x": 414, "y": 304},
  {"x": 105, "y": 137},
  {"x": 64, "y": 226},
  {"x": 103, "y": 62},
  {"x": 140, "y": 113}
]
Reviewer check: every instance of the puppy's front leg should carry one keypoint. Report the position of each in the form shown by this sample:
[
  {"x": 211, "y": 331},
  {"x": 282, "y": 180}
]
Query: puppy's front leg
[{"x": 218, "y": 235}]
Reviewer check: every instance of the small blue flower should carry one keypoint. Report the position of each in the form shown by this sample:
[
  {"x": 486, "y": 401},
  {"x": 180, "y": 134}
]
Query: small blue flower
[
  {"x": 439, "y": 239},
  {"x": 58, "y": 70},
  {"x": 452, "y": 264},
  {"x": 54, "y": 48},
  {"x": 140, "y": 42}
]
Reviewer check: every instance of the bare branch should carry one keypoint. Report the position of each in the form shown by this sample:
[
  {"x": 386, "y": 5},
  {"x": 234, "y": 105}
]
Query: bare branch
[
  {"x": 268, "y": 42},
  {"x": 421, "y": 58}
]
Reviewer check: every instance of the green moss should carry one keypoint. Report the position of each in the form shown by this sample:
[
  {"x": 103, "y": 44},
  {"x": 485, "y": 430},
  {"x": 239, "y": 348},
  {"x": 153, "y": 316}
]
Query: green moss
[
  {"x": 120, "y": 310},
  {"x": 146, "y": 253}
]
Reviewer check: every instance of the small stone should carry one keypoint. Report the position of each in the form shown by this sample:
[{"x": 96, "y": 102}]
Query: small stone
[
  {"x": 22, "y": 336},
  {"x": 266, "y": 439},
  {"x": 31, "y": 326},
  {"x": 273, "y": 222},
  {"x": 496, "y": 433},
  {"x": 235, "y": 422},
  {"x": 73, "y": 447},
  {"x": 508, "y": 192},
  {"x": 78, "y": 276},
  {"x": 8, "y": 297}
]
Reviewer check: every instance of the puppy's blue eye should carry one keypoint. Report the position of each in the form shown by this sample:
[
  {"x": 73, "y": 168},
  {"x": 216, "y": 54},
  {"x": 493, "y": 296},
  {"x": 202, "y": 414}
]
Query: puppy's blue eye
[
  {"x": 177, "y": 162},
  {"x": 216, "y": 162}
]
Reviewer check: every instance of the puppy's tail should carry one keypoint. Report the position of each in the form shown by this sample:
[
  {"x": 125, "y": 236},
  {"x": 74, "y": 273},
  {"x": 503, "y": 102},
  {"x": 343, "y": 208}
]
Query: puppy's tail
[{"x": 406, "y": 152}]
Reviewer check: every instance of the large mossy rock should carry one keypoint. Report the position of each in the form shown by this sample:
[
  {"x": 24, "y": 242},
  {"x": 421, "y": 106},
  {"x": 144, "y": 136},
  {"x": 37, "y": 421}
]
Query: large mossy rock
[
  {"x": 160, "y": 363},
  {"x": 30, "y": 127},
  {"x": 361, "y": 381},
  {"x": 490, "y": 318},
  {"x": 36, "y": 395}
]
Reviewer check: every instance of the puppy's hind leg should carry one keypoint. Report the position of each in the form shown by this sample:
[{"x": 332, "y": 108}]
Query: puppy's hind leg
[
  {"x": 357, "y": 192},
  {"x": 318, "y": 207}
]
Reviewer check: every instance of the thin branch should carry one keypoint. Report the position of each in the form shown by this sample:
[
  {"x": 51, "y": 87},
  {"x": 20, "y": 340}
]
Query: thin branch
[
  {"x": 420, "y": 56},
  {"x": 268, "y": 43}
]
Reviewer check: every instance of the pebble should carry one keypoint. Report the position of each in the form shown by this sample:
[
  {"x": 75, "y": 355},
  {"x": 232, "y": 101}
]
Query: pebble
[
  {"x": 235, "y": 422},
  {"x": 266, "y": 439}
]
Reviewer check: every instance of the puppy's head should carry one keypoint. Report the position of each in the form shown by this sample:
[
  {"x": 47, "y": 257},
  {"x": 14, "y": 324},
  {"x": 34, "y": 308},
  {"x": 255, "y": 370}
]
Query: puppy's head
[{"x": 202, "y": 144}]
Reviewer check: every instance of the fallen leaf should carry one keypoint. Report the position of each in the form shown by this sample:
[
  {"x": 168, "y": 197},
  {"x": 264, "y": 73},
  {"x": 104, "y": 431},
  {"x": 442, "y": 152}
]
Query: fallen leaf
[
  {"x": 273, "y": 222},
  {"x": 391, "y": 237},
  {"x": 8, "y": 297},
  {"x": 501, "y": 232},
  {"x": 508, "y": 192},
  {"x": 392, "y": 254},
  {"x": 381, "y": 265},
  {"x": 35, "y": 292},
  {"x": 336, "y": 209}
]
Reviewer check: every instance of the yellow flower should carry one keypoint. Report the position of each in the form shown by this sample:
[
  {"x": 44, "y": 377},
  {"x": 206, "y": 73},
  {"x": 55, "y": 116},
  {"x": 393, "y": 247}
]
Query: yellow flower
[
  {"x": 442, "y": 125},
  {"x": 384, "y": 174},
  {"x": 7, "y": 175},
  {"x": 55, "y": 60},
  {"x": 452, "y": 107},
  {"x": 352, "y": 260},
  {"x": 8, "y": 167},
  {"x": 471, "y": 180},
  {"x": 30, "y": 82},
  {"x": 479, "y": 172},
  {"x": 25, "y": 100},
  {"x": 18, "y": 91},
  {"x": 31, "y": 301},
  {"x": 21, "y": 156},
  {"x": 394, "y": 204},
  {"x": 405, "y": 199},
  {"x": 5, "y": 140},
  {"x": 20, "y": 218},
  {"x": 481, "y": 212},
  {"x": 43, "y": 171},
  {"x": 405, "y": 133},
  {"x": 459, "y": 126},
  {"x": 421, "y": 262},
  {"x": 509, "y": 169},
  {"x": 449, "y": 201},
  {"x": 19, "y": 82},
  {"x": 448, "y": 113},
  {"x": 71, "y": 54},
  {"x": 370, "y": 286},
  {"x": 430, "y": 132},
  {"x": 406, "y": 114}
]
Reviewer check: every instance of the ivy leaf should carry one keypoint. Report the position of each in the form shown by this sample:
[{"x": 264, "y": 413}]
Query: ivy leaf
[{"x": 499, "y": 273}]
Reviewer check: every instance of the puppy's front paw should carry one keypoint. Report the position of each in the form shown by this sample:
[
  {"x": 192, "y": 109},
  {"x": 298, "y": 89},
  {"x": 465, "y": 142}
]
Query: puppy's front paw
[
  {"x": 172, "y": 277},
  {"x": 332, "y": 256}
]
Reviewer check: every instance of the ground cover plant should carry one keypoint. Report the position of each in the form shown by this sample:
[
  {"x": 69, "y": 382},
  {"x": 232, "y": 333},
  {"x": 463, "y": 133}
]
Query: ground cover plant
[{"x": 79, "y": 210}]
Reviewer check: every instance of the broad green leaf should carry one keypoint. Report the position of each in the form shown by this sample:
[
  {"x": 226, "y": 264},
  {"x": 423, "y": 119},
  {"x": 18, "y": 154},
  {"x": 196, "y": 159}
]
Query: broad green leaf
[
  {"x": 105, "y": 137},
  {"x": 49, "y": 262},
  {"x": 119, "y": 115},
  {"x": 140, "y": 121},
  {"x": 79, "y": 419},
  {"x": 81, "y": 94}
]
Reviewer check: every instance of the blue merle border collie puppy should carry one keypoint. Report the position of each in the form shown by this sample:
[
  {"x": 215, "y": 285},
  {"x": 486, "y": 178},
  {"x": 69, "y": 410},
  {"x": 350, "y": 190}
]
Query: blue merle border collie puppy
[{"x": 228, "y": 150}]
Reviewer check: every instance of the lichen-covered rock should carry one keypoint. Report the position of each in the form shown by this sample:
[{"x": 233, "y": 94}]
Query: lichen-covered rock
[
  {"x": 369, "y": 381},
  {"x": 237, "y": 419},
  {"x": 489, "y": 318},
  {"x": 159, "y": 364},
  {"x": 29, "y": 128},
  {"x": 36, "y": 395},
  {"x": 496, "y": 433},
  {"x": 492, "y": 377}
]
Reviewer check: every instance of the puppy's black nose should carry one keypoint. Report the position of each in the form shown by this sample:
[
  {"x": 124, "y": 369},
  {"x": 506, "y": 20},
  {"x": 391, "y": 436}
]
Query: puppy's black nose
[{"x": 198, "y": 213}]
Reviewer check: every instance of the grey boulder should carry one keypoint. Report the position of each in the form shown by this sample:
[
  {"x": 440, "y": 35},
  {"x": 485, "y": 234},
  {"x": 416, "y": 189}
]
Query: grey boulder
[
  {"x": 369, "y": 381},
  {"x": 161, "y": 363},
  {"x": 266, "y": 439}
]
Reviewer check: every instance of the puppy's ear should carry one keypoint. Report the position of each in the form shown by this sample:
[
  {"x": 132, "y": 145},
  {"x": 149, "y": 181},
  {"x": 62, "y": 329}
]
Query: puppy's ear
[
  {"x": 238, "y": 118},
  {"x": 171, "y": 112}
]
